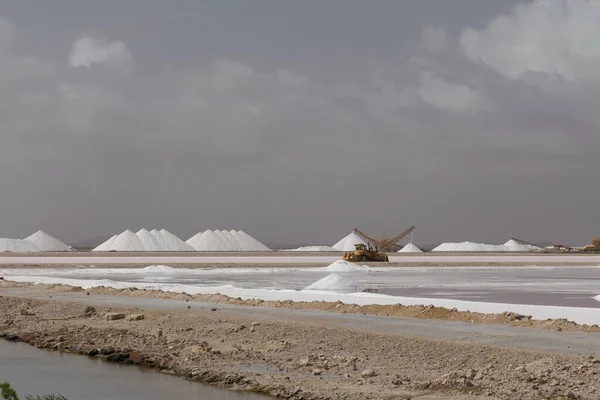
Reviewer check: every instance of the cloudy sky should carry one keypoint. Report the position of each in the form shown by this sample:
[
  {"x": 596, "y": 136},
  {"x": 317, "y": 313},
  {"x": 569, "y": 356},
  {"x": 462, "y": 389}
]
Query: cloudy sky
[{"x": 296, "y": 121}]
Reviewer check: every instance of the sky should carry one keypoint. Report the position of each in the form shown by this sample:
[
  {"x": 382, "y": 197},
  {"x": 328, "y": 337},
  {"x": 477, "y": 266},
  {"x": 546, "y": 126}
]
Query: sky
[{"x": 297, "y": 121}]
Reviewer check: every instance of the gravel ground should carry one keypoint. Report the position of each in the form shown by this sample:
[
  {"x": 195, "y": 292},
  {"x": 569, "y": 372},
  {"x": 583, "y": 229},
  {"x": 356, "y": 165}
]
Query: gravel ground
[{"x": 308, "y": 357}]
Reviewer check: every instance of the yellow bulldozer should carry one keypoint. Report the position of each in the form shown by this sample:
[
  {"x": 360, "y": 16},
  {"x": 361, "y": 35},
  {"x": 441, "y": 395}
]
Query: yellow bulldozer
[
  {"x": 363, "y": 253},
  {"x": 595, "y": 246}
]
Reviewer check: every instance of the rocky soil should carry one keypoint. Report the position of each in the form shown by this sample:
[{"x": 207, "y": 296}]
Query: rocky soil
[{"x": 297, "y": 359}]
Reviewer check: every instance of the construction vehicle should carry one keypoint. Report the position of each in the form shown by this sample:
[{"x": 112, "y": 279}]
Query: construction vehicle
[
  {"x": 363, "y": 253},
  {"x": 595, "y": 246},
  {"x": 385, "y": 244}
]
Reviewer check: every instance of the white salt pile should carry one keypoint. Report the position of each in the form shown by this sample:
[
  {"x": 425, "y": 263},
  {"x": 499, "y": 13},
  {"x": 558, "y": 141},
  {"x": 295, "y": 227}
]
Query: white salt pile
[
  {"x": 106, "y": 246},
  {"x": 344, "y": 266},
  {"x": 511, "y": 245},
  {"x": 347, "y": 243},
  {"x": 144, "y": 240},
  {"x": 312, "y": 248},
  {"x": 219, "y": 240},
  {"x": 336, "y": 283},
  {"x": 47, "y": 242},
  {"x": 149, "y": 241},
  {"x": 514, "y": 245},
  {"x": 17, "y": 246},
  {"x": 174, "y": 243},
  {"x": 410, "y": 248}
]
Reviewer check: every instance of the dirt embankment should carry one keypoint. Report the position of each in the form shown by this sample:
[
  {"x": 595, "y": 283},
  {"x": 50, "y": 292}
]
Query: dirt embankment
[
  {"x": 395, "y": 310},
  {"x": 298, "y": 359}
]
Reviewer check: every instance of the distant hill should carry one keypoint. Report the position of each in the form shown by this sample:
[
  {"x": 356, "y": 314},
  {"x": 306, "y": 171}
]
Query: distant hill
[{"x": 90, "y": 243}]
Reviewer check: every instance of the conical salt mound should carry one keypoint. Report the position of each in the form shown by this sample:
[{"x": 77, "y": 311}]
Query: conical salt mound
[
  {"x": 17, "y": 246},
  {"x": 148, "y": 240},
  {"x": 127, "y": 241},
  {"x": 174, "y": 243},
  {"x": 348, "y": 242},
  {"x": 47, "y": 242},
  {"x": 248, "y": 243},
  {"x": 410, "y": 248},
  {"x": 335, "y": 282},
  {"x": 160, "y": 239},
  {"x": 232, "y": 244},
  {"x": 208, "y": 241},
  {"x": 106, "y": 245}
]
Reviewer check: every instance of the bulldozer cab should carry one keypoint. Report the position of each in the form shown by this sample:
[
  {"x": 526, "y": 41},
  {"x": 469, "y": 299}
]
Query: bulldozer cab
[{"x": 360, "y": 246}]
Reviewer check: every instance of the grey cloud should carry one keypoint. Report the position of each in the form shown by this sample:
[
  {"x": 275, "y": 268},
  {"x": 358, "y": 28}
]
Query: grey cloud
[{"x": 381, "y": 137}]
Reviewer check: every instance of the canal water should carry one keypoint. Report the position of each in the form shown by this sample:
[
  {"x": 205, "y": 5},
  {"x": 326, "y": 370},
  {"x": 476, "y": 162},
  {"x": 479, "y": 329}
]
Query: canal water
[{"x": 33, "y": 371}]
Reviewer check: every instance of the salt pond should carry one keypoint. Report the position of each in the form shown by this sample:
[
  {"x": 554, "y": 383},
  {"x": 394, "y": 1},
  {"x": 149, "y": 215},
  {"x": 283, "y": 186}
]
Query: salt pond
[{"x": 33, "y": 371}]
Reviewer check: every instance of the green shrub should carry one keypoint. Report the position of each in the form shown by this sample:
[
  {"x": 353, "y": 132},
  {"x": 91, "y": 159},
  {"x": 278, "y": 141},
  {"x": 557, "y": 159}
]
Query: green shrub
[{"x": 9, "y": 393}]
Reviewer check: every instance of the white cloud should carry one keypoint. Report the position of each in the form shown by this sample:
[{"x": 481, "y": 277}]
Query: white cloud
[
  {"x": 449, "y": 96},
  {"x": 87, "y": 51},
  {"x": 552, "y": 37}
]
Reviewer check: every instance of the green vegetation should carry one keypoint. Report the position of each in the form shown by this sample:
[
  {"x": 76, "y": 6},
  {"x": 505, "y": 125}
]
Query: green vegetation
[{"x": 9, "y": 393}]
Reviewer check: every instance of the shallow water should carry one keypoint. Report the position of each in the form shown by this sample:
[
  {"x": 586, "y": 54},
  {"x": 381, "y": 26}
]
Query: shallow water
[{"x": 33, "y": 371}]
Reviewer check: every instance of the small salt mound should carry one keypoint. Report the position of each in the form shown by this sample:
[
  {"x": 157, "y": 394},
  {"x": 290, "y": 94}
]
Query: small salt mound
[
  {"x": 513, "y": 245},
  {"x": 106, "y": 245},
  {"x": 344, "y": 266},
  {"x": 335, "y": 282},
  {"x": 174, "y": 243},
  {"x": 312, "y": 248},
  {"x": 17, "y": 246},
  {"x": 470, "y": 247},
  {"x": 148, "y": 240},
  {"x": 410, "y": 248},
  {"x": 159, "y": 269},
  {"x": 348, "y": 242},
  {"x": 47, "y": 242}
]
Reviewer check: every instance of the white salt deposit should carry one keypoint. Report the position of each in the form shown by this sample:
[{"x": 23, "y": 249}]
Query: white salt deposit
[
  {"x": 17, "y": 246},
  {"x": 344, "y": 266},
  {"x": 149, "y": 240},
  {"x": 106, "y": 245},
  {"x": 470, "y": 246},
  {"x": 348, "y": 242},
  {"x": 47, "y": 242},
  {"x": 335, "y": 282},
  {"x": 312, "y": 248},
  {"x": 232, "y": 242},
  {"x": 127, "y": 241},
  {"x": 174, "y": 243},
  {"x": 225, "y": 241},
  {"x": 208, "y": 241},
  {"x": 159, "y": 268},
  {"x": 410, "y": 248},
  {"x": 251, "y": 244},
  {"x": 510, "y": 246},
  {"x": 160, "y": 239},
  {"x": 514, "y": 245}
]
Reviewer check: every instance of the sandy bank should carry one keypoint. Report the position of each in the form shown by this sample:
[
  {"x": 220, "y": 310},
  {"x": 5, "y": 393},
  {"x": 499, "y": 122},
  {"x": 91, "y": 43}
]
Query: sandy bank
[{"x": 297, "y": 359}]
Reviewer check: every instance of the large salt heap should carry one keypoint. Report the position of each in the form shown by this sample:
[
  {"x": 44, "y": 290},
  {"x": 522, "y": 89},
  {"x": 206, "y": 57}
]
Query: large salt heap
[
  {"x": 248, "y": 243},
  {"x": 470, "y": 247},
  {"x": 515, "y": 245},
  {"x": 410, "y": 248},
  {"x": 149, "y": 241},
  {"x": 174, "y": 243},
  {"x": 47, "y": 242},
  {"x": 17, "y": 246},
  {"x": 219, "y": 240},
  {"x": 348, "y": 242},
  {"x": 106, "y": 246}
]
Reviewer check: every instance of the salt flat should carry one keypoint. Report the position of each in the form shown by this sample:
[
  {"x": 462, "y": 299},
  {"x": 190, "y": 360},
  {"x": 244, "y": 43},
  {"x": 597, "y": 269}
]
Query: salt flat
[{"x": 281, "y": 258}]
